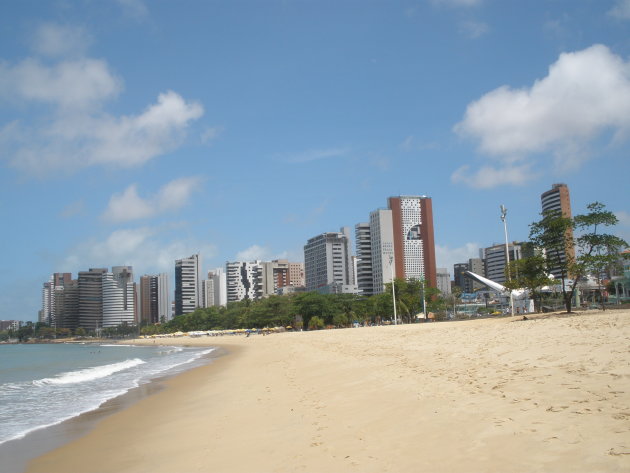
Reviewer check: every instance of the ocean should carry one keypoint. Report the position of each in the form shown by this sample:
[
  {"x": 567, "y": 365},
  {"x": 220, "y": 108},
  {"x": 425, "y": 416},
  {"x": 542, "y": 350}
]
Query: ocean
[{"x": 44, "y": 384}]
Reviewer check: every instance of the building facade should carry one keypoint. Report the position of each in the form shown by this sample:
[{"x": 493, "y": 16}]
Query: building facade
[
  {"x": 243, "y": 280},
  {"x": 118, "y": 297},
  {"x": 494, "y": 260},
  {"x": 91, "y": 298},
  {"x": 363, "y": 242},
  {"x": 187, "y": 284},
  {"x": 558, "y": 199},
  {"x": 154, "y": 298},
  {"x": 328, "y": 265},
  {"x": 443, "y": 281},
  {"x": 397, "y": 242},
  {"x": 414, "y": 243}
]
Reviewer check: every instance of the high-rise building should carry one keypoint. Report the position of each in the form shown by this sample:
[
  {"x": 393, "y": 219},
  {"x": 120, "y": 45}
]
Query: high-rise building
[
  {"x": 154, "y": 298},
  {"x": 91, "y": 298},
  {"x": 118, "y": 297},
  {"x": 443, "y": 280},
  {"x": 558, "y": 199},
  {"x": 244, "y": 280},
  {"x": 476, "y": 266},
  {"x": 494, "y": 260},
  {"x": 401, "y": 243},
  {"x": 414, "y": 244},
  {"x": 365, "y": 277},
  {"x": 67, "y": 305},
  {"x": 216, "y": 288},
  {"x": 328, "y": 265},
  {"x": 187, "y": 284},
  {"x": 296, "y": 275},
  {"x": 383, "y": 261},
  {"x": 459, "y": 275},
  {"x": 55, "y": 284}
]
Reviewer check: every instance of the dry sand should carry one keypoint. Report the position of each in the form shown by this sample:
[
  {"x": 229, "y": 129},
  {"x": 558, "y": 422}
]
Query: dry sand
[{"x": 550, "y": 394}]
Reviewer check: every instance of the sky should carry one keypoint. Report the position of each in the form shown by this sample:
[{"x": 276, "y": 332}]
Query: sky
[{"x": 137, "y": 132}]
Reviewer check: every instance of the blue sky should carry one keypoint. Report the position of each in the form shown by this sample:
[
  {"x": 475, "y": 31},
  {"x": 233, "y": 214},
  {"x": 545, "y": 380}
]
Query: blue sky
[{"x": 137, "y": 132}]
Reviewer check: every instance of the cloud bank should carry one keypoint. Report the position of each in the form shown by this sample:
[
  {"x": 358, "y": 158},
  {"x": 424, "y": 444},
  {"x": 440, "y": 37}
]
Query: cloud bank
[
  {"x": 584, "y": 95},
  {"x": 128, "y": 205},
  {"x": 76, "y": 131}
]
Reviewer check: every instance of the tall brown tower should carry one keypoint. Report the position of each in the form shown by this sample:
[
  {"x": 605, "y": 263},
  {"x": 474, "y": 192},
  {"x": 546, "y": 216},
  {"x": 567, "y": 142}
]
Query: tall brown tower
[{"x": 414, "y": 243}]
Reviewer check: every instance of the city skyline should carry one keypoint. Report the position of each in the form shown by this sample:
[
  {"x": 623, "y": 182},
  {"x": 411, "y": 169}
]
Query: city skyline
[{"x": 136, "y": 133}]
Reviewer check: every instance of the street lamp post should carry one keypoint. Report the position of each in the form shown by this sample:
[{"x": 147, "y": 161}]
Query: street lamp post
[
  {"x": 391, "y": 267},
  {"x": 507, "y": 253}
]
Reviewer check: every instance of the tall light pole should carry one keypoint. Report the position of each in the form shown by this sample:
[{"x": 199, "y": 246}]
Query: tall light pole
[
  {"x": 507, "y": 253},
  {"x": 391, "y": 267}
]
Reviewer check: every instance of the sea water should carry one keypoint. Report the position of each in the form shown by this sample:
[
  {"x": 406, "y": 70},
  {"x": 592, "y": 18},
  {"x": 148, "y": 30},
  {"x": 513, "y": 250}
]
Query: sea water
[{"x": 43, "y": 385}]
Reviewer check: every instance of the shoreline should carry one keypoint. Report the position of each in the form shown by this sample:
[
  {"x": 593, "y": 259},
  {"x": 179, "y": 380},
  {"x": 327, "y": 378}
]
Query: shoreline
[
  {"x": 546, "y": 394},
  {"x": 18, "y": 452}
]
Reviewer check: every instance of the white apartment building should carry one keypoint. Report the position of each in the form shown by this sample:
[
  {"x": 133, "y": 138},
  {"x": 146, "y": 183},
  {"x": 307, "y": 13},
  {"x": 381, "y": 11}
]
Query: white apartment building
[
  {"x": 118, "y": 297},
  {"x": 382, "y": 249},
  {"x": 214, "y": 289},
  {"x": 243, "y": 280},
  {"x": 328, "y": 265}
]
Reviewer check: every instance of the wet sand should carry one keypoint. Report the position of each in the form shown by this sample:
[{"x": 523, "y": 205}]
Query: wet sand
[{"x": 547, "y": 394}]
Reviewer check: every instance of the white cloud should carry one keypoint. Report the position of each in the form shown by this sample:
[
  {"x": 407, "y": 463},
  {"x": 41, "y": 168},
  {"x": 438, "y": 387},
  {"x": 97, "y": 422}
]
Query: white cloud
[
  {"x": 72, "y": 129},
  {"x": 143, "y": 248},
  {"x": 621, "y": 10},
  {"x": 210, "y": 134},
  {"x": 446, "y": 257},
  {"x": 473, "y": 29},
  {"x": 73, "y": 84},
  {"x": 54, "y": 40},
  {"x": 488, "y": 176},
  {"x": 584, "y": 94},
  {"x": 623, "y": 217},
  {"x": 254, "y": 252},
  {"x": 128, "y": 205},
  {"x": 316, "y": 154},
  {"x": 73, "y": 209}
]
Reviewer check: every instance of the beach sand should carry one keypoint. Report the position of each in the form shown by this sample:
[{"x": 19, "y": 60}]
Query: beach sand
[{"x": 548, "y": 394}]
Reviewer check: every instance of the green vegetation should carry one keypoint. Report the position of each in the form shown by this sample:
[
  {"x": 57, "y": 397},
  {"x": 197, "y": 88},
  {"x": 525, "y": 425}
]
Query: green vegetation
[{"x": 596, "y": 252}]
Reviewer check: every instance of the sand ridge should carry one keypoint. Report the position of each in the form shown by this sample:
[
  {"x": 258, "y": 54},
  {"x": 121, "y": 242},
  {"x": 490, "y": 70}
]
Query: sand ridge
[{"x": 546, "y": 394}]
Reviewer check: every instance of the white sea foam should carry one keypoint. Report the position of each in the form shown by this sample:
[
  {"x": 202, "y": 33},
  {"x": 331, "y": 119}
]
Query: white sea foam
[{"x": 89, "y": 374}]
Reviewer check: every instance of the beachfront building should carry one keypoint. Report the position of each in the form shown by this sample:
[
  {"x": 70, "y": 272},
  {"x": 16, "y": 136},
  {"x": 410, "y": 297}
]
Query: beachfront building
[
  {"x": 363, "y": 242},
  {"x": 328, "y": 265},
  {"x": 56, "y": 283},
  {"x": 400, "y": 241},
  {"x": 187, "y": 284},
  {"x": 296, "y": 275},
  {"x": 558, "y": 199},
  {"x": 475, "y": 265},
  {"x": 243, "y": 280},
  {"x": 154, "y": 298},
  {"x": 67, "y": 305},
  {"x": 91, "y": 298},
  {"x": 494, "y": 260},
  {"x": 214, "y": 289},
  {"x": 414, "y": 245},
  {"x": 118, "y": 297},
  {"x": 443, "y": 281},
  {"x": 459, "y": 274}
]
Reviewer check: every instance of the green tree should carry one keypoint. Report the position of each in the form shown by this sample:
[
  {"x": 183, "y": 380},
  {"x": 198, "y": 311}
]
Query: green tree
[
  {"x": 529, "y": 273},
  {"x": 598, "y": 252},
  {"x": 315, "y": 323},
  {"x": 595, "y": 250}
]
